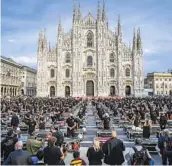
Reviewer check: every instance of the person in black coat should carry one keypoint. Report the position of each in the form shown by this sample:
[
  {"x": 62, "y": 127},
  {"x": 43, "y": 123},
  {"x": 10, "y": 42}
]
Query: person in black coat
[
  {"x": 113, "y": 150},
  {"x": 95, "y": 154},
  {"x": 14, "y": 121},
  {"x": 146, "y": 129},
  {"x": 7, "y": 145},
  {"x": 18, "y": 157}
]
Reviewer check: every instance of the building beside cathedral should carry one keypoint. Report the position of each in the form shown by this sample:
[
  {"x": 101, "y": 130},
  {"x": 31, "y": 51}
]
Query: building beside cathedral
[{"x": 90, "y": 59}]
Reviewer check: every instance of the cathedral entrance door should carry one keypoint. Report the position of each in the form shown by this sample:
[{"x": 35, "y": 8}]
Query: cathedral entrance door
[
  {"x": 52, "y": 91},
  {"x": 127, "y": 91},
  {"x": 112, "y": 90},
  {"x": 67, "y": 91},
  {"x": 90, "y": 88}
]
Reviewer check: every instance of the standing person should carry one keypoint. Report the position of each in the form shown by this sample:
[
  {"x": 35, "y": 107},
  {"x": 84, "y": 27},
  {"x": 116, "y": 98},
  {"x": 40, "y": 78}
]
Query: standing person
[
  {"x": 165, "y": 146},
  {"x": 14, "y": 121},
  {"x": 31, "y": 125},
  {"x": 59, "y": 135},
  {"x": 18, "y": 157},
  {"x": 113, "y": 150},
  {"x": 163, "y": 121},
  {"x": 146, "y": 129},
  {"x": 8, "y": 144},
  {"x": 53, "y": 154},
  {"x": 95, "y": 153},
  {"x": 71, "y": 124},
  {"x": 106, "y": 121}
]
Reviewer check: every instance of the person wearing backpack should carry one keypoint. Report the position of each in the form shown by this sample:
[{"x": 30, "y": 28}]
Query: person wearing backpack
[
  {"x": 59, "y": 135},
  {"x": 8, "y": 144},
  {"x": 165, "y": 146}
]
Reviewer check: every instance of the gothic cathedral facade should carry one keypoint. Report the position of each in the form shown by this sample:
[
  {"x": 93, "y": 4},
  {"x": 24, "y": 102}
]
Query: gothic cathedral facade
[{"x": 90, "y": 60}]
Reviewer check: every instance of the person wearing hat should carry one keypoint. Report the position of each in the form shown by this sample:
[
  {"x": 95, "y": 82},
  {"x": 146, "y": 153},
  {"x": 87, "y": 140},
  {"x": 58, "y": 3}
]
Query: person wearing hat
[
  {"x": 71, "y": 124},
  {"x": 8, "y": 144}
]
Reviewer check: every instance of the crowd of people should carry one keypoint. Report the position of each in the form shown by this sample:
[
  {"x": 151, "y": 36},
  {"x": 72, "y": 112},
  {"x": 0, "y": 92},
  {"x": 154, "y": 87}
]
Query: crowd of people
[{"x": 33, "y": 112}]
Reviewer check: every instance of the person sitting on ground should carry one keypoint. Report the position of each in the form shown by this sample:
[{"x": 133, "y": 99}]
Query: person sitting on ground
[
  {"x": 77, "y": 160},
  {"x": 95, "y": 153},
  {"x": 18, "y": 157}
]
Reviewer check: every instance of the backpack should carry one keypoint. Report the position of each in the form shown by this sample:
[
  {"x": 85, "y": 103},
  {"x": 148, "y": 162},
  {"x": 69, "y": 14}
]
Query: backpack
[{"x": 140, "y": 157}]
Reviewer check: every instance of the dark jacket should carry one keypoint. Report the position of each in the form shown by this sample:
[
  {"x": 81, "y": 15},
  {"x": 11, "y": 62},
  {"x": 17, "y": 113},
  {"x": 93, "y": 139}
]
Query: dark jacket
[
  {"x": 95, "y": 157},
  {"x": 18, "y": 157},
  {"x": 14, "y": 120},
  {"x": 7, "y": 146},
  {"x": 113, "y": 150}
]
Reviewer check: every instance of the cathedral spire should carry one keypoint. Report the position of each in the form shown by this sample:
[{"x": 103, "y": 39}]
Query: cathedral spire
[
  {"x": 74, "y": 12},
  {"x": 134, "y": 41},
  {"x": 44, "y": 45},
  {"x": 139, "y": 42},
  {"x": 119, "y": 29},
  {"x": 79, "y": 14},
  {"x": 98, "y": 11},
  {"x": 104, "y": 12},
  {"x": 59, "y": 26},
  {"x": 40, "y": 41}
]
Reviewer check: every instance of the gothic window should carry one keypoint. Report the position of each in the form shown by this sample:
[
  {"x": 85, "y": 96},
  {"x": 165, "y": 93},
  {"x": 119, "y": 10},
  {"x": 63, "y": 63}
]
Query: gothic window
[
  {"x": 52, "y": 73},
  {"x": 127, "y": 72},
  {"x": 67, "y": 73},
  {"x": 112, "y": 72},
  {"x": 89, "y": 61},
  {"x": 90, "y": 39},
  {"x": 67, "y": 58},
  {"x": 112, "y": 58}
]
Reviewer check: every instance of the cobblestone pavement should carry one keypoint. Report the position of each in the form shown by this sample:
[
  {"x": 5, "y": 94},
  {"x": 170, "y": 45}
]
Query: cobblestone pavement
[{"x": 91, "y": 133}]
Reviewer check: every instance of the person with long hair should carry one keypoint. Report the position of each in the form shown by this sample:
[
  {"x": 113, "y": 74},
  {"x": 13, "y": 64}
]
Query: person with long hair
[
  {"x": 146, "y": 129},
  {"x": 95, "y": 153}
]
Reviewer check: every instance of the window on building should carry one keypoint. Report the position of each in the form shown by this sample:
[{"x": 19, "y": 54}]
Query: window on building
[
  {"x": 52, "y": 73},
  {"x": 165, "y": 79},
  {"x": 90, "y": 39},
  {"x": 157, "y": 79},
  {"x": 162, "y": 85},
  {"x": 112, "y": 57},
  {"x": 165, "y": 85},
  {"x": 89, "y": 61},
  {"x": 112, "y": 72},
  {"x": 67, "y": 73},
  {"x": 67, "y": 58},
  {"x": 169, "y": 79},
  {"x": 157, "y": 86},
  {"x": 161, "y": 92},
  {"x": 127, "y": 72}
]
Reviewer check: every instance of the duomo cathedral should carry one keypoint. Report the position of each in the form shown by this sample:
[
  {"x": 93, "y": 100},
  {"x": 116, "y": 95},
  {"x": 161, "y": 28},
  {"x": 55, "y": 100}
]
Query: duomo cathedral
[{"x": 90, "y": 59}]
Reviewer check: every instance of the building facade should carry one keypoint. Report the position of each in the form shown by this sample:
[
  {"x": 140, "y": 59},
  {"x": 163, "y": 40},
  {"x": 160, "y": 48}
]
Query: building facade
[
  {"x": 160, "y": 82},
  {"x": 10, "y": 77},
  {"x": 90, "y": 59},
  {"x": 28, "y": 81}
]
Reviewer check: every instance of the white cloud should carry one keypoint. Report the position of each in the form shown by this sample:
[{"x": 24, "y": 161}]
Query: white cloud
[
  {"x": 27, "y": 60},
  {"x": 11, "y": 40}
]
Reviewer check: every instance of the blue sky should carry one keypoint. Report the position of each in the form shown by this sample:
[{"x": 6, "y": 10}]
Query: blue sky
[{"x": 23, "y": 19}]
